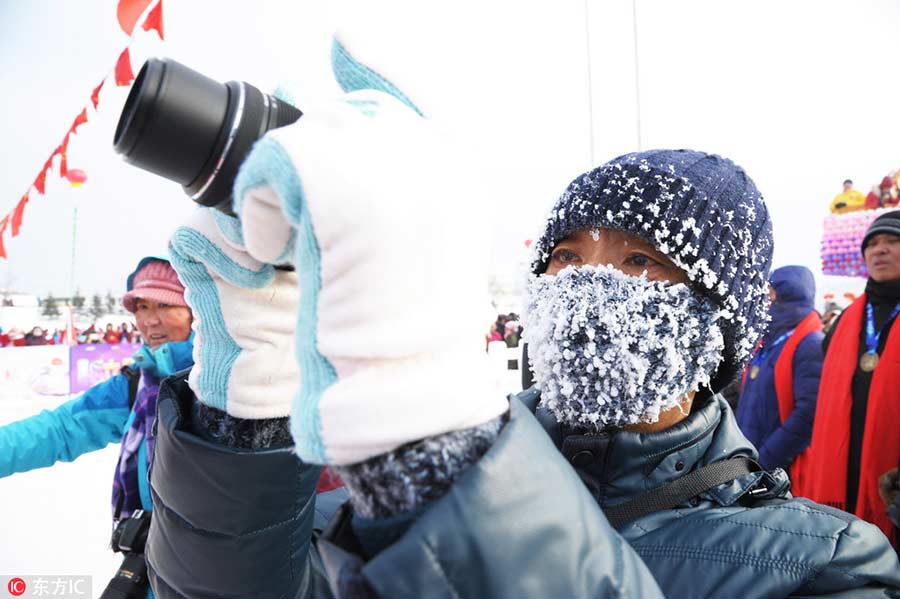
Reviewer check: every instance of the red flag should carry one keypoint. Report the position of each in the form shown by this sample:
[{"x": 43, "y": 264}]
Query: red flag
[
  {"x": 95, "y": 97},
  {"x": 155, "y": 21},
  {"x": 16, "y": 221},
  {"x": 3, "y": 224},
  {"x": 129, "y": 11},
  {"x": 61, "y": 151},
  {"x": 41, "y": 180},
  {"x": 61, "y": 148},
  {"x": 124, "y": 74},
  {"x": 79, "y": 121}
]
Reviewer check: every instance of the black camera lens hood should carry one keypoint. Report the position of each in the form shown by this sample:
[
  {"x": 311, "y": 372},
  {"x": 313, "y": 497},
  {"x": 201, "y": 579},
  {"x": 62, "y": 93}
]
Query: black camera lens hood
[{"x": 172, "y": 120}]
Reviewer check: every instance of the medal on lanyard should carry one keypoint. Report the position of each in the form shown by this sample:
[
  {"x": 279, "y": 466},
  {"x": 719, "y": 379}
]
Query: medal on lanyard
[
  {"x": 869, "y": 360},
  {"x": 764, "y": 351}
]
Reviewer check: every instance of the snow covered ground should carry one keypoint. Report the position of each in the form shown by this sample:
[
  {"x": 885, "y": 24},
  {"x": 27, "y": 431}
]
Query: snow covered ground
[{"x": 56, "y": 520}]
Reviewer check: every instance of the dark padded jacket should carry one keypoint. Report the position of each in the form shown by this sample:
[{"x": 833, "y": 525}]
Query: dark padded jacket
[
  {"x": 747, "y": 538},
  {"x": 519, "y": 523}
]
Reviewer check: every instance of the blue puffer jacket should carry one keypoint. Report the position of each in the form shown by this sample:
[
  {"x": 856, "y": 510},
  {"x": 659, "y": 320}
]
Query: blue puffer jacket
[
  {"x": 745, "y": 539},
  {"x": 98, "y": 417},
  {"x": 757, "y": 409}
]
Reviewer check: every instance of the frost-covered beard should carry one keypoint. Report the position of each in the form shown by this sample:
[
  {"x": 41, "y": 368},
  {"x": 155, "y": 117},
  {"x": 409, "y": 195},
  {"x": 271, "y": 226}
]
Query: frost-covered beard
[{"x": 610, "y": 349}]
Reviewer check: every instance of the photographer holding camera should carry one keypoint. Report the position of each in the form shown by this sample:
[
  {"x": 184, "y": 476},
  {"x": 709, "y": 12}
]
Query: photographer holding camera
[
  {"x": 121, "y": 409},
  {"x": 647, "y": 294}
]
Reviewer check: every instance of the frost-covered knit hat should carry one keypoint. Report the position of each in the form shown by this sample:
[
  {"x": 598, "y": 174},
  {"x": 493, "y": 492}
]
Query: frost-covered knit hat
[
  {"x": 702, "y": 211},
  {"x": 154, "y": 278}
]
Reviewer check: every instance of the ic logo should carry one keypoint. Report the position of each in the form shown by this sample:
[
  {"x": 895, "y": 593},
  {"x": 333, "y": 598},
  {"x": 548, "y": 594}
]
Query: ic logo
[{"x": 16, "y": 587}]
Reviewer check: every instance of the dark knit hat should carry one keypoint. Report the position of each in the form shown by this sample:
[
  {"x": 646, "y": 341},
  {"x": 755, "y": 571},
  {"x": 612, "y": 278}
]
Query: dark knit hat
[
  {"x": 699, "y": 209},
  {"x": 889, "y": 222}
]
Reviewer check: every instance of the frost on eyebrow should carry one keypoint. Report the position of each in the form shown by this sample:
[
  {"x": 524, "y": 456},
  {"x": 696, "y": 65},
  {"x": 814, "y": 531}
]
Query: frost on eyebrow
[
  {"x": 725, "y": 253},
  {"x": 609, "y": 349}
]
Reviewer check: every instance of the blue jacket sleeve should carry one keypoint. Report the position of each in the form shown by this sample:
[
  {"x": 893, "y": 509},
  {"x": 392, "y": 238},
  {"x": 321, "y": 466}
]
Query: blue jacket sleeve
[
  {"x": 84, "y": 424},
  {"x": 793, "y": 436}
]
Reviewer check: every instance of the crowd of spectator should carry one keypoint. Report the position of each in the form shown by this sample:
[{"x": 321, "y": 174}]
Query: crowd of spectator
[
  {"x": 506, "y": 328},
  {"x": 123, "y": 333}
]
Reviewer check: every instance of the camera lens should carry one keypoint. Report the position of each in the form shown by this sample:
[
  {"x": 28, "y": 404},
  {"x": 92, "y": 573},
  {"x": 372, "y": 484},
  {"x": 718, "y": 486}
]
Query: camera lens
[{"x": 193, "y": 130}]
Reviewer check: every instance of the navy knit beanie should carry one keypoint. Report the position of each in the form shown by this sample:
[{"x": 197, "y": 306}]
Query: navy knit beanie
[{"x": 702, "y": 211}]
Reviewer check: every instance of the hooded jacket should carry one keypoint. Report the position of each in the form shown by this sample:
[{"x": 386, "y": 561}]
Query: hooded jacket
[
  {"x": 525, "y": 521},
  {"x": 247, "y": 523},
  {"x": 100, "y": 416},
  {"x": 758, "y": 416}
]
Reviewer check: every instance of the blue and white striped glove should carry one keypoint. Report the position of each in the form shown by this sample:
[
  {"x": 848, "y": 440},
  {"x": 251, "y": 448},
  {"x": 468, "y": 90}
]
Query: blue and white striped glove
[
  {"x": 243, "y": 319},
  {"x": 384, "y": 222}
]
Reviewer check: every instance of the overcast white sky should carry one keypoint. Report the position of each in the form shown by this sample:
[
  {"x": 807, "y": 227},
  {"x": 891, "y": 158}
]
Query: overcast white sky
[{"x": 802, "y": 94}]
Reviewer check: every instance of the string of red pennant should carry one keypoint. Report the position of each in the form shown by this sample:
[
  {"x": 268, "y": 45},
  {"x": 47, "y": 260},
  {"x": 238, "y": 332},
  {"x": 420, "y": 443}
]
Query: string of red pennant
[{"x": 128, "y": 13}]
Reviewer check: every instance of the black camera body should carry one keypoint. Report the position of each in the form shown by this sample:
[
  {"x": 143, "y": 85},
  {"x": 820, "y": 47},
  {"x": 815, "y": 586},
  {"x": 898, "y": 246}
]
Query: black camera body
[
  {"x": 130, "y": 534},
  {"x": 188, "y": 128},
  {"x": 130, "y": 537}
]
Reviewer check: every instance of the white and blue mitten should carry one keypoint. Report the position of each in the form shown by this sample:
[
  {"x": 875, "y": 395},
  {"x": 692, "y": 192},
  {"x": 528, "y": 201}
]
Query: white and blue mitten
[
  {"x": 385, "y": 222},
  {"x": 243, "y": 312}
]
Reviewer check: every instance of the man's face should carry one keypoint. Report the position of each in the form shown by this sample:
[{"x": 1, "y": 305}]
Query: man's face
[
  {"x": 882, "y": 255},
  {"x": 848, "y": 185},
  {"x": 623, "y": 251},
  {"x": 162, "y": 323}
]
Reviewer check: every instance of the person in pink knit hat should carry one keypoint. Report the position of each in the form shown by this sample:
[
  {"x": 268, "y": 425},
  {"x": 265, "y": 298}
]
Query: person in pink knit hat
[
  {"x": 156, "y": 298},
  {"x": 120, "y": 409}
]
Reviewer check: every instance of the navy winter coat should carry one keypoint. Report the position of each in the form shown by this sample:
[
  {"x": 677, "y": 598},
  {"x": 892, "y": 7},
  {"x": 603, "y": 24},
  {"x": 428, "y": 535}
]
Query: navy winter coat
[
  {"x": 747, "y": 538},
  {"x": 525, "y": 521},
  {"x": 240, "y": 524},
  {"x": 757, "y": 410}
]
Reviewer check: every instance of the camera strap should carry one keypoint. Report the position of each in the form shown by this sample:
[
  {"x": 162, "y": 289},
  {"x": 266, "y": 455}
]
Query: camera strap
[
  {"x": 133, "y": 375},
  {"x": 678, "y": 491}
]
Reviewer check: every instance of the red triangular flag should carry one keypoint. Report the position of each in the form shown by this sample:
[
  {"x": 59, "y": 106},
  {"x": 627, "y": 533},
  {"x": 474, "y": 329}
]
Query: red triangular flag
[
  {"x": 129, "y": 11},
  {"x": 16, "y": 221},
  {"x": 124, "y": 74},
  {"x": 95, "y": 97},
  {"x": 41, "y": 180},
  {"x": 61, "y": 150},
  {"x": 3, "y": 224},
  {"x": 79, "y": 121},
  {"x": 154, "y": 20}
]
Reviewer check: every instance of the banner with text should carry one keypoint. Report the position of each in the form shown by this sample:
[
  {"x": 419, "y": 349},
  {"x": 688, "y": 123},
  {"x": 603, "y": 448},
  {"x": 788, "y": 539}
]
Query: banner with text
[{"x": 94, "y": 363}]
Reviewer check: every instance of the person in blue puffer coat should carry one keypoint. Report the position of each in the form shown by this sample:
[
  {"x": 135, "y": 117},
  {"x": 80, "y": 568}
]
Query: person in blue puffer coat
[
  {"x": 122, "y": 408},
  {"x": 788, "y": 362}
]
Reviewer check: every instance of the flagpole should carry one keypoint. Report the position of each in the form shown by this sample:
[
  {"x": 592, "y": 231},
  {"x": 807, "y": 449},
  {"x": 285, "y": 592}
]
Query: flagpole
[{"x": 72, "y": 278}]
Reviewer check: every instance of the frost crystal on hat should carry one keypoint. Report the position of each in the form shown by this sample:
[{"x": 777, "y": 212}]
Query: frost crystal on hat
[
  {"x": 610, "y": 349},
  {"x": 702, "y": 211}
]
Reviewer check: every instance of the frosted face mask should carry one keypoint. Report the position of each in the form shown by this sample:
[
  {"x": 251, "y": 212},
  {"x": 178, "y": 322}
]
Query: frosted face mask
[{"x": 610, "y": 349}]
